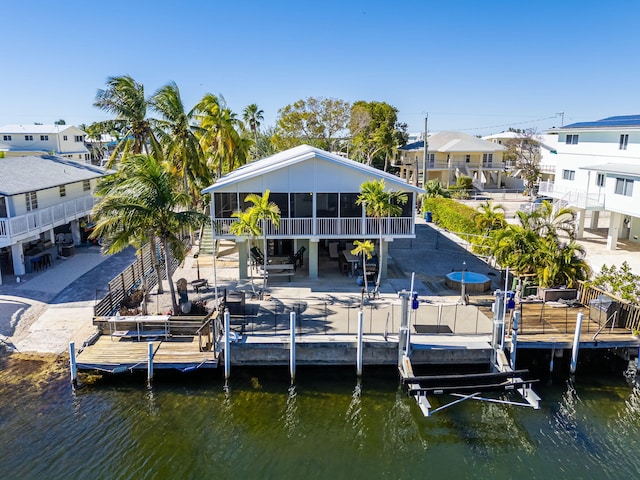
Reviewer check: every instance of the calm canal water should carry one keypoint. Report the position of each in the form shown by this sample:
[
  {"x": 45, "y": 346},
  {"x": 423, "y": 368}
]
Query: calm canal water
[{"x": 326, "y": 426}]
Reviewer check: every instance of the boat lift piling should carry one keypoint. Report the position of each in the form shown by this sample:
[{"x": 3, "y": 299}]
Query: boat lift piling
[
  {"x": 514, "y": 338},
  {"x": 149, "y": 363},
  {"x": 359, "y": 351},
  {"x": 576, "y": 344},
  {"x": 73, "y": 365},
  {"x": 227, "y": 344},
  {"x": 292, "y": 346}
]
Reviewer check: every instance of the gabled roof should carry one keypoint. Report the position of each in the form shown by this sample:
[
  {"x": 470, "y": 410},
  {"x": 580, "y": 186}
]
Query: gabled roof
[
  {"x": 31, "y": 173},
  {"x": 37, "y": 129},
  {"x": 299, "y": 154},
  {"x": 498, "y": 136},
  {"x": 455, "y": 142},
  {"x": 622, "y": 121}
]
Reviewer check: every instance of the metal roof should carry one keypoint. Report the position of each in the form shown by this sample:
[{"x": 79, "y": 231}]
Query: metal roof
[
  {"x": 615, "y": 169},
  {"x": 22, "y": 129},
  {"x": 455, "y": 142},
  {"x": 299, "y": 154},
  {"x": 31, "y": 173},
  {"x": 609, "y": 122}
]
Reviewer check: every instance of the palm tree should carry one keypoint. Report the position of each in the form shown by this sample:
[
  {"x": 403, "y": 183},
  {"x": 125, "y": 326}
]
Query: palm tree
[
  {"x": 219, "y": 137},
  {"x": 252, "y": 116},
  {"x": 364, "y": 248},
  {"x": 562, "y": 263},
  {"x": 490, "y": 217},
  {"x": 124, "y": 97},
  {"x": 178, "y": 139},
  {"x": 548, "y": 221},
  {"x": 246, "y": 225},
  {"x": 141, "y": 203},
  {"x": 380, "y": 203},
  {"x": 263, "y": 211}
]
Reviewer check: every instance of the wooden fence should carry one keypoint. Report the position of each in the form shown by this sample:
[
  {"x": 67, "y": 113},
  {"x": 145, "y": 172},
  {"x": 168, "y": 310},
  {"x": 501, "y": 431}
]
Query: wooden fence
[
  {"x": 132, "y": 277},
  {"x": 628, "y": 313}
]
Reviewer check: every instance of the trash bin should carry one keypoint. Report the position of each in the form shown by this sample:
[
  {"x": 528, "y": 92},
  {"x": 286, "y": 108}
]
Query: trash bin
[{"x": 427, "y": 216}]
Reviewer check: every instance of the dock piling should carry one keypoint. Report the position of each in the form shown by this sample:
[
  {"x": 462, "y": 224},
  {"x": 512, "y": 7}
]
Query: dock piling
[
  {"x": 292, "y": 346},
  {"x": 514, "y": 338},
  {"x": 359, "y": 356},
  {"x": 150, "y": 362},
  {"x": 72, "y": 364},
  {"x": 576, "y": 344},
  {"x": 227, "y": 345}
]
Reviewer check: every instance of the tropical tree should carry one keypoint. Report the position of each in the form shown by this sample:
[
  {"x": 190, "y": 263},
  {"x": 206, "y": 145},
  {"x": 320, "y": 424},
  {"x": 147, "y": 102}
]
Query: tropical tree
[
  {"x": 219, "y": 135},
  {"x": 490, "y": 217},
  {"x": 380, "y": 203},
  {"x": 434, "y": 188},
  {"x": 141, "y": 203},
  {"x": 561, "y": 263},
  {"x": 320, "y": 122},
  {"x": 253, "y": 116},
  {"x": 261, "y": 212},
  {"x": 177, "y": 137},
  {"x": 524, "y": 150},
  {"x": 246, "y": 225},
  {"x": 375, "y": 131},
  {"x": 620, "y": 281},
  {"x": 124, "y": 97},
  {"x": 547, "y": 221},
  {"x": 364, "y": 248}
]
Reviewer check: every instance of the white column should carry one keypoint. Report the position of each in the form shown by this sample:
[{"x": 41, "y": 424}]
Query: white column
[
  {"x": 18, "y": 259},
  {"x": 595, "y": 216},
  {"x": 383, "y": 257},
  {"x": 313, "y": 258},
  {"x": 243, "y": 257},
  {"x": 614, "y": 228},
  {"x": 75, "y": 232},
  {"x": 580, "y": 223}
]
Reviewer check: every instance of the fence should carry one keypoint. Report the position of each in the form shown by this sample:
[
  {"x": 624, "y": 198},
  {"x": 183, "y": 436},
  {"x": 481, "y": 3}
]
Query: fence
[
  {"x": 133, "y": 277},
  {"x": 628, "y": 313}
]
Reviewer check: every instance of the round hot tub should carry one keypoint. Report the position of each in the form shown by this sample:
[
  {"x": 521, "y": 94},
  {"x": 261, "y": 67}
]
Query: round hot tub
[{"x": 473, "y": 282}]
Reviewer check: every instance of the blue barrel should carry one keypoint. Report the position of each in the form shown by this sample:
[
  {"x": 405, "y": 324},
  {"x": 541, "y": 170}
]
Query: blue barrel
[{"x": 427, "y": 216}]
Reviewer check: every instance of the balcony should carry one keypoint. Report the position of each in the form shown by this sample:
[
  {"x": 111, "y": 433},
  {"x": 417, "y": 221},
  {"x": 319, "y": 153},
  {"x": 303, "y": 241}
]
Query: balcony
[
  {"x": 33, "y": 223},
  {"x": 326, "y": 227},
  {"x": 573, "y": 198}
]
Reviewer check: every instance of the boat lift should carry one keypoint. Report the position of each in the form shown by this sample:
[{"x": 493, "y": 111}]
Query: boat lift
[{"x": 502, "y": 377}]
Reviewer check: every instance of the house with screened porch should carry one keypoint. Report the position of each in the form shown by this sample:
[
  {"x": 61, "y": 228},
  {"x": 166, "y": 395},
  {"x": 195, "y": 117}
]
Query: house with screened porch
[{"x": 316, "y": 192}]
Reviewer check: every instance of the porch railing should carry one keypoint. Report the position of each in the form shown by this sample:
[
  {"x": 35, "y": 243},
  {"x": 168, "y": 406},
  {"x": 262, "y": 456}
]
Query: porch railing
[
  {"x": 39, "y": 219},
  {"x": 326, "y": 227},
  {"x": 574, "y": 198}
]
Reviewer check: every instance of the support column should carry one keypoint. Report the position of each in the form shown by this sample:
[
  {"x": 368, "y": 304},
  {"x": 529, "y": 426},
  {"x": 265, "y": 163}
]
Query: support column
[
  {"x": 614, "y": 229},
  {"x": 313, "y": 258},
  {"x": 582, "y": 213},
  {"x": 383, "y": 257},
  {"x": 243, "y": 257},
  {"x": 75, "y": 232},
  {"x": 595, "y": 216},
  {"x": 18, "y": 259}
]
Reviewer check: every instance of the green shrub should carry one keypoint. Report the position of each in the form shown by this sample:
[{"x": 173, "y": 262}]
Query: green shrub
[{"x": 452, "y": 215}]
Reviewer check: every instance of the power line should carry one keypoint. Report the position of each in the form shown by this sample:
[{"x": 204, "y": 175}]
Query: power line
[{"x": 507, "y": 124}]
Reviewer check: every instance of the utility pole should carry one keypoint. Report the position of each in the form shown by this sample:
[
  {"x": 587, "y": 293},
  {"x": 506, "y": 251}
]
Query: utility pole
[
  {"x": 424, "y": 160},
  {"x": 561, "y": 114}
]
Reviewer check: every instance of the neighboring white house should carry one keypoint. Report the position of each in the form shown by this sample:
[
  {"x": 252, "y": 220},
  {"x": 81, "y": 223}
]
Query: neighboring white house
[
  {"x": 451, "y": 155},
  {"x": 597, "y": 168},
  {"x": 43, "y": 199},
  {"x": 63, "y": 140},
  {"x": 316, "y": 192}
]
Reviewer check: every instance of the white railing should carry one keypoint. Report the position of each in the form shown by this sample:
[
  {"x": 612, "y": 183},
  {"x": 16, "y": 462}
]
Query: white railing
[
  {"x": 579, "y": 199},
  {"x": 49, "y": 217},
  {"x": 326, "y": 227}
]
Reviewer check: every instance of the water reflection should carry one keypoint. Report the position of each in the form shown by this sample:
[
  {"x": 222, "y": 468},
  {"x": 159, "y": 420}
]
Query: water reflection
[
  {"x": 291, "y": 412},
  {"x": 355, "y": 417}
]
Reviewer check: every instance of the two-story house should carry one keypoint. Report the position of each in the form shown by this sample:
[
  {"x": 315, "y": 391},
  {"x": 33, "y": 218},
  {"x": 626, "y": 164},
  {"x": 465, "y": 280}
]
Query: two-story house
[
  {"x": 451, "y": 155},
  {"x": 63, "y": 140},
  {"x": 316, "y": 192},
  {"x": 597, "y": 169},
  {"x": 43, "y": 200}
]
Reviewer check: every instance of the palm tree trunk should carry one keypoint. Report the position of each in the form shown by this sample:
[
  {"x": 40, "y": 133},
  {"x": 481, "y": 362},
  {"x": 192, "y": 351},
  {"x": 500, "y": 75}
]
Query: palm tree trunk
[
  {"x": 167, "y": 266},
  {"x": 156, "y": 264}
]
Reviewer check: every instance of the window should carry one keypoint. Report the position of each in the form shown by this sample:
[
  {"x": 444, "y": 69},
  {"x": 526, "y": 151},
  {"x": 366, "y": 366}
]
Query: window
[
  {"x": 64, "y": 137},
  {"x": 78, "y": 138},
  {"x": 432, "y": 159},
  {"x": 467, "y": 158},
  {"x": 487, "y": 158},
  {"x": 624, "y": 140},
  {"x": 348, "y": 206},
  {"x": 624, "y": 186},
  {"x": 568, "y": 174},
  {"x": 6, "y": 138},
  {"x": 63, "y": 190},
  {"x": 572, "y": 139},
  {"x": 327, "y": 205},
  {"x": 28, "y": 138},
  {"x": 32, "y": 200},
  {"x": 3, "y": 207},
  {"x": 87, "y": 157},
  {"x": 44, "y": 138},
  {"x": 86, "y": 185},
  {"x": 600, "y": 180}
]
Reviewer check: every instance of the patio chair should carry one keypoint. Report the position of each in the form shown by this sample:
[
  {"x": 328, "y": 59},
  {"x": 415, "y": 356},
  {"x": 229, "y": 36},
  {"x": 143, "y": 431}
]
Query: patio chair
[{"x": 257, "y": 255}]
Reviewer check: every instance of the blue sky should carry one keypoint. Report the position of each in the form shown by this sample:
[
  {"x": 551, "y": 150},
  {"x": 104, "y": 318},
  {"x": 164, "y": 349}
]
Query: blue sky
[{"x": 474, "y": 66}]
